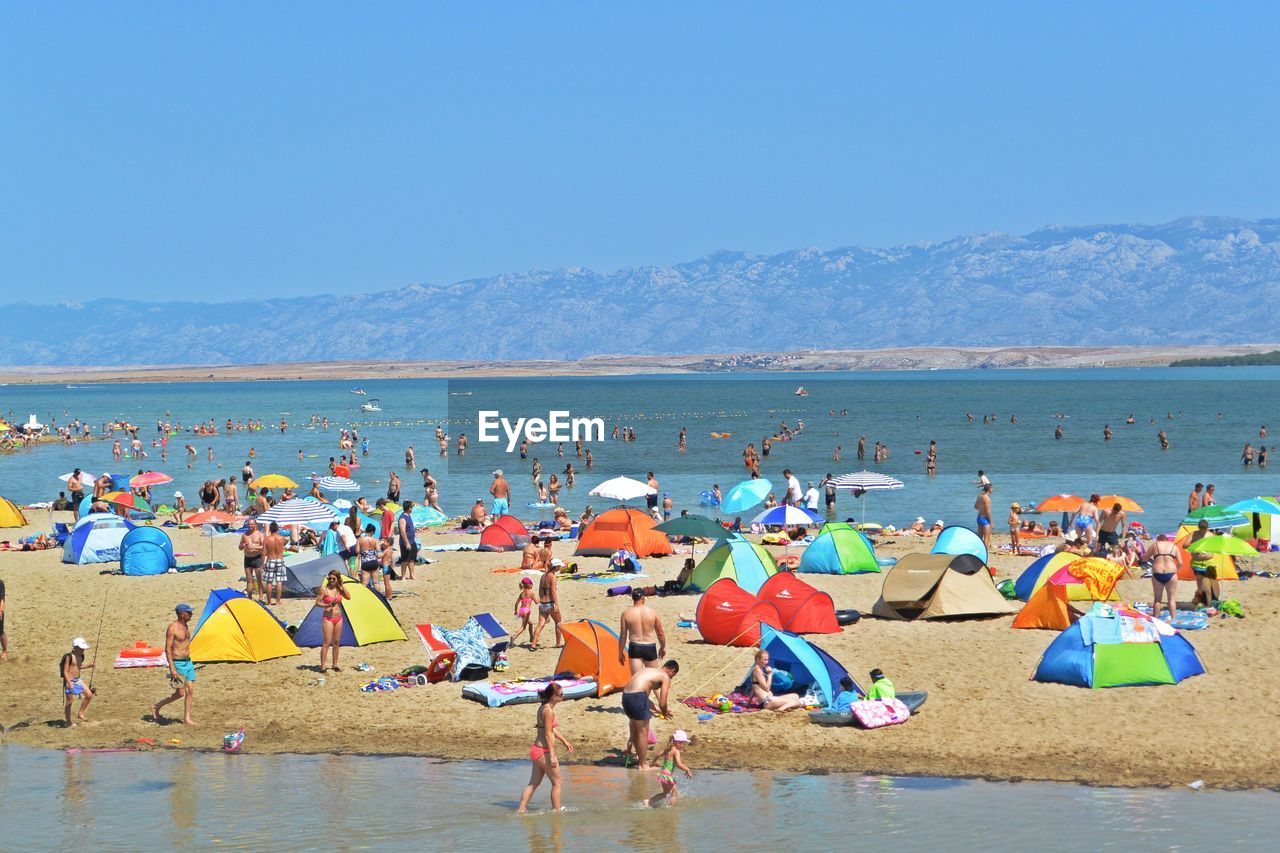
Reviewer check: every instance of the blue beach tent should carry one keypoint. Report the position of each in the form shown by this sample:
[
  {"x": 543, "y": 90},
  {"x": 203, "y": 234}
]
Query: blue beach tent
[
  {"x": 807, "y": 664},
  {"x": 146, "y": 551},
  {"x": 96, "y": 538},
  {"x": 956, "y": 540},
  {"x": 1111, "y": 648}
]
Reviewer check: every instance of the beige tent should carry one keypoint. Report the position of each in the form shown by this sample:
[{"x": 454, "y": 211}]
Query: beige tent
[{"x": 936, "y": 586}]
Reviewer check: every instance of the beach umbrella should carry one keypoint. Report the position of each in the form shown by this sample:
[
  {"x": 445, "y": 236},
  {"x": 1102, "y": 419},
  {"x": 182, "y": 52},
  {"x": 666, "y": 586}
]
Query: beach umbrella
[
  {"x": 1126, "y": 504},
  {"x": 1256, "y": 506},
  {"x": 696, "y": 527},
  {"x": 861, "y": 482},
  {"x": 342, "y": 504},
  {"x": 786, "y": 516},
  {"x": 622, "y": 489},
  {"x": 341, "y": 471},
  {"x": 337, "y": 484},
  {"x": 1222, "y": 545},
  {"x": 745, "y": 495},
  {"x": 299, "y": 511},
  {"x": 85, "y": 476},
  {"x": 1060, "y": 503},
  {"x": 126, "y": 499},
  {"x": 1217, "y": 515},
  {"x": 149, "y": 478},
  {"x": 273, "y": 481},
  {"x": 212, "y": 516}
]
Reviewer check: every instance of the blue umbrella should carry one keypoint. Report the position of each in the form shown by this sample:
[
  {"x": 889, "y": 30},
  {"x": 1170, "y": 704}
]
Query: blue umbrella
[
  {"x": 786, "y": 516},
  {"x": 745, "y": 495},
  {"x": 1259, "y": 506}
]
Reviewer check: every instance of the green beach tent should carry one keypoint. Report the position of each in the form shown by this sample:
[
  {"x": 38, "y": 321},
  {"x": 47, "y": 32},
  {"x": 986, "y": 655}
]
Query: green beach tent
[
  {"x": 839, "y": 549},
  {"x": 749, "y": 565}
]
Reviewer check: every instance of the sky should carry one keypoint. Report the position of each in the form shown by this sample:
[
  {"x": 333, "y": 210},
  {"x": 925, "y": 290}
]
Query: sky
[{"x": 217, "y": 151}]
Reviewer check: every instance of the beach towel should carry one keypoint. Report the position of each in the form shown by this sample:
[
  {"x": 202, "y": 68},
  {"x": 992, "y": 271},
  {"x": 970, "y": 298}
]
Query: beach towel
[
  {"x": 741, "y": 703},
  {"x": 877, "y": 713},
  {"x": 472, "y": 645}
]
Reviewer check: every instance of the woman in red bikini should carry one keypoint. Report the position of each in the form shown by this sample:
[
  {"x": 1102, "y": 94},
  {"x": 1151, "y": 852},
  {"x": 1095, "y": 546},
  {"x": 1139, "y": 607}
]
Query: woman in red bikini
[
  {"x": 330, "y": 597},
  {"x": 543, "y": 752}
]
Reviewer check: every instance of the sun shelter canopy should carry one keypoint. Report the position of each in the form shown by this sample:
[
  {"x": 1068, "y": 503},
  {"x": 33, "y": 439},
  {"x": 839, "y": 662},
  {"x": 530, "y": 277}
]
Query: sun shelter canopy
[
  {"x": 591, "y": 651},
  {"x": 367, "y": 618},
  {"x": 933, "y": 586},
  {"x": 1113, "y": 646},
  {"x": 839, "y": 549},
  {"x": 748, "y": 564},
  {"x": 621, "y": 529},
  {"x": 235, "y": 628},
  {"x": 960, "y": 540}
]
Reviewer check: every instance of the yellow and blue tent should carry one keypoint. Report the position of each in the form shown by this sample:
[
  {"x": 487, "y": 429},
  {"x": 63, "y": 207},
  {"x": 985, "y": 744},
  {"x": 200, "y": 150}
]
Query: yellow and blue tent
[
  {"x": 11, "y": 514},
  {"x": 235, "y": 628},
  {"x": 367, "y": 618}
]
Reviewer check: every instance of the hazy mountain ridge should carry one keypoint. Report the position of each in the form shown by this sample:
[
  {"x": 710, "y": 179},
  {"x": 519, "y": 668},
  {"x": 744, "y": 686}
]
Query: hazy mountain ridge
[{"x": 1189, "y": 281}]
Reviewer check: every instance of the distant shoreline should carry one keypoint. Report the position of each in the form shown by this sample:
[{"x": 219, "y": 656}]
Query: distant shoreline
[{"x": 817, "y": 361}]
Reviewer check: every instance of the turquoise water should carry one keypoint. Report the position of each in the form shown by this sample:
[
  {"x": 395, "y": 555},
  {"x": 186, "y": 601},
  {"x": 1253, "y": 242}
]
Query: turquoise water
[
  {"x": 179, "y": 800},
  {"x": 903, "y": 409}
]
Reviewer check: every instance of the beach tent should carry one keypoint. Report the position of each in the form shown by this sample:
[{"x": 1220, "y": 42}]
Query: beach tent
[
  {"x": 1116, "y": 647},
  {"x": 1041, "y": 569},
  {"x": 146, "y": 551},
  {"x": 619, "y": 528},
  {"x": 934, "y": 586},
  {"x": 1048, "y": 608},
  {"x": 11, "y": 514},
  {"x": 367, "y": 618},
  {"x": 498, "y": 538},
  {"x": 728, "y": 615},
  {"x": 804, "y": 609},
  {"x": 515, "y": 527},
  {"x": 749, "y": 565},
  {"x": 302, "y": 577},
  {"x": 839, "y": 549},
  {"x": 960, "y": 540},
  {"x": 235, "y": 628},
  {"x": 808, "y": 665},
  {"x": 1224, "y": 563},
  {"x": 591, "y": 651},
  {"x": 96, "y": 538}
]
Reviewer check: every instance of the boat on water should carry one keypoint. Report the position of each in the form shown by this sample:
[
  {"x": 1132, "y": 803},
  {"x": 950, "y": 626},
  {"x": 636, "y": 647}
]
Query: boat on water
[
  {"x": 801, "y": 392},
  {"x": 371, "y": 406},
  {"x": 359, "y": 391},
  {"x": 459, "y": 393}
]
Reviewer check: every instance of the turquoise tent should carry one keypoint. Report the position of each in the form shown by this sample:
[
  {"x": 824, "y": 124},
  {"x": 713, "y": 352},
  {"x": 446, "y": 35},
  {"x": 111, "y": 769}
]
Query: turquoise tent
[
  {"x": 807, "y": 664},
  {"x": 956, "y": 540},
  {"x": 146, "y": 551},
  {"x": 747, "y": 564},
  {"x": 839, "y": 549}
]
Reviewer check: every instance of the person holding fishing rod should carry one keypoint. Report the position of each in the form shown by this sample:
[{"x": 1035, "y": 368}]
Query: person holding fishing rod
[{"x": 72, "y": 686}]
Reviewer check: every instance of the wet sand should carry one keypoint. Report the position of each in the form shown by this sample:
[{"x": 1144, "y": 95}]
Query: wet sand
[{"x": 984, "y": 717}]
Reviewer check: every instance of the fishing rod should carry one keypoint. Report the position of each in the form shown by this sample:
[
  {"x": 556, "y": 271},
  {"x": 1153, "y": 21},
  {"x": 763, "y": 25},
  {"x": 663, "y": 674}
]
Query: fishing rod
[{"x": 98, "y": 641}]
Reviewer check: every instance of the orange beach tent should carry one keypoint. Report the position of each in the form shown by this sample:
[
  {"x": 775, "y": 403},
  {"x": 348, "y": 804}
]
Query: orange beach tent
[
  {"x": 1047, "y": 608},
  {"x": 591, "y": 650},
  {"x": 619, "y": 528}
]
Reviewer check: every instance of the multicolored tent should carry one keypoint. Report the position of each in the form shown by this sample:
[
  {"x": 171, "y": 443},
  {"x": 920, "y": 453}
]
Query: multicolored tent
[
  {"x": 11, "y": 514},
  {"x": 1115, "y": 646},
  {"x": 1042, "y": 568},
  {"x": 728, "y": 615},
  {"x": 367, "y": 618},
  {"x": 804, "y": 609},
  {"x": 591, "y": 650},
  {"x": 622, "y": 528},
  {"x": 839, "y": 549},
  {"x": 747, "y": 564},
  {"x": 96, "y": 538},
  {"x": 235, "y": 628}
]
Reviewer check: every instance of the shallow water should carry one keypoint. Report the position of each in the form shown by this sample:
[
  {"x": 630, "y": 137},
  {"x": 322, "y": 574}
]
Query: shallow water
[
  {"x": 180, "y": 799},
  {"x": 904, "y": 409}
]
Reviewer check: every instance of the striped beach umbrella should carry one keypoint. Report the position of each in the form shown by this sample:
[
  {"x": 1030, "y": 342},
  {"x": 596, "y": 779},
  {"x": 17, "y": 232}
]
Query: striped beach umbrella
[
  {"x": 786, "y": 516},
  {"x": 299, "y": 511},
  {"x": 337, "y": 484},
  {"x": 861, "y": 482}
]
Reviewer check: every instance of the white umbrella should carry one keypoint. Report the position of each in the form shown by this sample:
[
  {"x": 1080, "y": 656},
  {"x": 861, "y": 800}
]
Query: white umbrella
[
  {"x": 863, "y": 482},
  {"x": 622, "y": 489},
  {"x": 337, "y": 484},
  {"x": 85, "y": 477},
  {"x": 299, "y": 511}
]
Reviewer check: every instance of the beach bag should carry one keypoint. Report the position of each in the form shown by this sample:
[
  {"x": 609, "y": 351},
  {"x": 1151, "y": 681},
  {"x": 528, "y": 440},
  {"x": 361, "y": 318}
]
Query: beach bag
[{"x": 877, "y": 713}]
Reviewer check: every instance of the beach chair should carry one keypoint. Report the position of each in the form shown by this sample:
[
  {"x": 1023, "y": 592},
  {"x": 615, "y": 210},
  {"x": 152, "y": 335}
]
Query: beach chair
[
  {"x": 61, "y": 531},
  {"x": 440, "y": 655},
  {"x": 499, "y": 638}
]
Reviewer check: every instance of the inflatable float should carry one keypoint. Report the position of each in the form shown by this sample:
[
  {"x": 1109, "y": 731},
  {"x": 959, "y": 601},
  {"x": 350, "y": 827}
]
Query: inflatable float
[
  {"x": 912, "y": 700},
  {"x": 495, "y": 694}
]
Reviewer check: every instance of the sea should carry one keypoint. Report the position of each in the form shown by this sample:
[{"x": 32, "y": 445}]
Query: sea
[
  {"x": 1207, "y": 414},
  {"x": 185, "y": 800}
]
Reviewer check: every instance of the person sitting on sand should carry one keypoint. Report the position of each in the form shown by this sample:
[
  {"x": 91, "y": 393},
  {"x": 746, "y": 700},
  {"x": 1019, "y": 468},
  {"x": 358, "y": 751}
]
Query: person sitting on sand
[
  {"x": 686, "y": 573},
  {"x": 937, "y": 528},
  {"x": 561, "y": 519},
  {"x": 72, "y": 667},
  {"x": 917, "y": 527},
  {"x": 881, "y": 687},
  {"x": 762, "y": 687},
  {"x": 1054, "y": 530},
  {"x": 846, "y": 697}
]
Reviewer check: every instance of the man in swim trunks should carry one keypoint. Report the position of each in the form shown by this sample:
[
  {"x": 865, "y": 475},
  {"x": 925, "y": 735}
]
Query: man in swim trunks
[
  {"x": 72, "y": 666},
  {"x": 501, "y": 492},
  {"x": 1194, "y": 499},
  {"x": 637, "y": 706},
  {"x": 182, "y": 672},
  {"x": 251, "y": 543},
  {"x": 1110, "y": 526},
  {"x": 273, "y": 571},
  {"x": 641, "y": 640},
  {"x": 549, "y": 603},
  {"x": 983, "y": 506},
  {"x": 1165, "y": 561},
  {"x": 651, "y": 500},
  {"x": 75, "y": 485},
  {"x": 408, "y": 534}
]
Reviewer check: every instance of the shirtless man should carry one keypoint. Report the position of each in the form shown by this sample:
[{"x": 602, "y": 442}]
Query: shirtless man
[
  {"x": 501, "y": 491},
  {"x": 983, "y": 506},
  {"x": 1110, "y": 526},
  {"x": 1194, "y": 500},
  {"x": 72, "y": 666},
  {"x": 75, "y": 488},
  {"x": 641, "y": 640},
  {"x": 182, "y": 672},
  {"x": 273, "y": 570},
  {"x": 639, "y": 709},
  {"x": 251, "y": 543},
  {"x": 548, "y": 604}
]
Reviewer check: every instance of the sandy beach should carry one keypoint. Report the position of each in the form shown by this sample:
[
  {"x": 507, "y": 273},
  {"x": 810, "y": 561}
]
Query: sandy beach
[{"x": 984, "y": 717}]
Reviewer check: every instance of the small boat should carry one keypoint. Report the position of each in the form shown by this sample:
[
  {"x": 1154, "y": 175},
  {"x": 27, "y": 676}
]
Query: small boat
[
  {"x": 459, "y": 393},
  {"x": 371, "y": 406},
  {"x": 801, "y": 392},
  {"x": 359, "y": 391}
]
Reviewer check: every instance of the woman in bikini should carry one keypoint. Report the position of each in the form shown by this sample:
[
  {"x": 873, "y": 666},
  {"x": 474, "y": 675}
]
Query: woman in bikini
[
  {"x": 1165, "y": 562},
  {"x": 543, "y": 751},
  {"x": 330, "y": 597},
  {"x": 762, "y": 687},
  {"x": 370, "y": 557}
]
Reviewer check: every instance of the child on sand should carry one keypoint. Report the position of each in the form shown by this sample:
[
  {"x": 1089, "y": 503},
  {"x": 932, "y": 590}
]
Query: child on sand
[
  {"x": 524, "y": 607},
  {"x": 668, "y": 761}
]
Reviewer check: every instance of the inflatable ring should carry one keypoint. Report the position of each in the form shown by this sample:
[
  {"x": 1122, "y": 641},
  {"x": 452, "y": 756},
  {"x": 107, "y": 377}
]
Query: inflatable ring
[
  {"x": 141, "y": 651},
  {"x": 847, "y": 617},
  {"x": 791, "y": 560},
  {"x": 439, "y": 669}
]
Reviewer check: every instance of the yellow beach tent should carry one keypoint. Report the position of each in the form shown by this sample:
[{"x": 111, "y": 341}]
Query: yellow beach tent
[
  {"x": 236, "y": 628},
  {"x": 11, "y": 514}
]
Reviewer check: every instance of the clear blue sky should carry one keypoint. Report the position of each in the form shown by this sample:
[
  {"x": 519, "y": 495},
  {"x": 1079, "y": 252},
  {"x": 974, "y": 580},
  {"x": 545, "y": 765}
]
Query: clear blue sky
[{"x": 226, "y": 150}]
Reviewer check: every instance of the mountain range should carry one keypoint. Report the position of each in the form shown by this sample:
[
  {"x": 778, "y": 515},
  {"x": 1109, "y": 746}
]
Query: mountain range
[{"x": 1196, "y": 280}]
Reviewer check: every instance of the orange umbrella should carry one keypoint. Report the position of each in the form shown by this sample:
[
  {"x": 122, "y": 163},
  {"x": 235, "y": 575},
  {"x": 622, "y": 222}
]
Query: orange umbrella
[
  {"x": 1126, "y": 504},
  {"x": 212, "y": 516},
  {"x": 1060, "y": 503}
]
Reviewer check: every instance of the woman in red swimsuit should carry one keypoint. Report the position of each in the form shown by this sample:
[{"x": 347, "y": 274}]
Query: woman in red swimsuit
[
  {"x": 543, "y": 752},
  {"x": 330, "y": 597}
]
